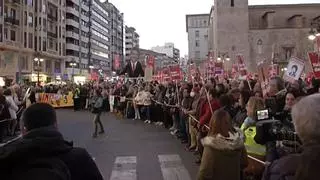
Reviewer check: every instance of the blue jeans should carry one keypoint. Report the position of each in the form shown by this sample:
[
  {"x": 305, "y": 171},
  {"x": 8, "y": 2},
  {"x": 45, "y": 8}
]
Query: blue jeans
[
  {"x": 147, "y": 111},
  {"x": 183, "y": 126}
]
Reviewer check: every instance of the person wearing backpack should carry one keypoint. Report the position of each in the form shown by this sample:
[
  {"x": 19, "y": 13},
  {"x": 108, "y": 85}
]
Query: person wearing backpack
[
  {"x": 97, "y": 110},
  {"x": 42, "y": 153}
]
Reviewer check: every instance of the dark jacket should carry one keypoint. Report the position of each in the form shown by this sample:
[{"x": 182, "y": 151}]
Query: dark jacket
[
  {"x": 47, "y": 143},
  {"x": 304, "y": 166},
  {"x": 223, "y": 158},
  {"x": 138, "y": 71}
]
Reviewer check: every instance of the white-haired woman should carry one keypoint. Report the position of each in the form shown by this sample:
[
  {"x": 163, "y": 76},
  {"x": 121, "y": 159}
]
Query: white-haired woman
[{"x": 304, "y": 166}]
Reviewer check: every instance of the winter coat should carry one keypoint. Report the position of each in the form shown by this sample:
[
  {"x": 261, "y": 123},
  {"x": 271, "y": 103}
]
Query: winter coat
[
  {"x": 304, "y": 166},
  {"x": 47, "y": 142},
  {"x": 13, "y": 108},
  {"x": 223, "y": 158}
]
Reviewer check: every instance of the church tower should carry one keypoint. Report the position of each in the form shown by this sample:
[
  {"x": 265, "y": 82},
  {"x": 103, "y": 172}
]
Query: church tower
[{"x": 231, "y": 31}]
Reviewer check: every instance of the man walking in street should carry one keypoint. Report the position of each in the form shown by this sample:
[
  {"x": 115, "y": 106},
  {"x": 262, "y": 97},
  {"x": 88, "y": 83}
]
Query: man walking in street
[{"x": 42, "y": 153}]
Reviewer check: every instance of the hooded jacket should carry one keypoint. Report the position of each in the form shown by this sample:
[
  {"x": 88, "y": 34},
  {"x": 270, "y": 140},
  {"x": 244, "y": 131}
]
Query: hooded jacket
[
  {"x": 46, "y": 143},
  {"x": 304, "y": 166},
  {"x": 223, "y": 158}
]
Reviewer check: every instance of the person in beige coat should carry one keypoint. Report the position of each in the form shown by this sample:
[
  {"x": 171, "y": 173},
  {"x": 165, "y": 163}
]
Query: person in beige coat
[{"x": 224, "y": 156}]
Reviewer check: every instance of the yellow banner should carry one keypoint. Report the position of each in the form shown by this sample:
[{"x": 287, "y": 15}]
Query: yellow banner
[{"x": 56, "y": 100}]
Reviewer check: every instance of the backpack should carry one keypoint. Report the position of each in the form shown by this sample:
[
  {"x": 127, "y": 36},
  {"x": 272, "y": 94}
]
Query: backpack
[{"x": 51, "y": 168}]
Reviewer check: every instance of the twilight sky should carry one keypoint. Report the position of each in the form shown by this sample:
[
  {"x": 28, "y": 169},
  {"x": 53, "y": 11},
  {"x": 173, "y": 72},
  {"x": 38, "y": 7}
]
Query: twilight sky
[{"x": 160, "y": 21}]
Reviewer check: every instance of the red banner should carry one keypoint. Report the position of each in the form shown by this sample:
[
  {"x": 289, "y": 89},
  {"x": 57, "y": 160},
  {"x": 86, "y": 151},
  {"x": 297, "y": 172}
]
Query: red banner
[
  {"x": 175, "y": 72},
  {"x": 150, "y": 61},
  {"x": 241, "y": 65},
  {"x": 116, "y": 63},
  {"x": 165, "y": 74},
  {"x": 318, "y": 43},
  {"x": 218, "y": 68},
  {"x": 315, "y": 63}
]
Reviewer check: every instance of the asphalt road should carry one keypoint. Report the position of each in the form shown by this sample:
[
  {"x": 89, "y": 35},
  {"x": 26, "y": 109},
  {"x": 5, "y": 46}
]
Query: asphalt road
[{"x": 130, "y": 150}]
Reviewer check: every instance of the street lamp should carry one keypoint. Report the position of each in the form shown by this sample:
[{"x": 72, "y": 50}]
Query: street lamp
[
  {"x": 38, "y": 60},
  {"x": 315, "y": 30}
]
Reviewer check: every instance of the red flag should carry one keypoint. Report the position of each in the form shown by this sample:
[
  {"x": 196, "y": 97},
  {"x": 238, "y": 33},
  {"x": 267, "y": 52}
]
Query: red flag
[
  {"x": 318, "y": 43},
  {"x": 116, "y": 62},
  {"x": 315, "y": 63}
]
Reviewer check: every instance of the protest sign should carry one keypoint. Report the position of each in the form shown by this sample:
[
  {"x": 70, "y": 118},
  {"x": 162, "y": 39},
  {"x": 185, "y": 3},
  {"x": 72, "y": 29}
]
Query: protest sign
[
  {"x": 294, "y": 70},
  {"x": 314, "y": 59},
  {"x": 241, "y": 65}
]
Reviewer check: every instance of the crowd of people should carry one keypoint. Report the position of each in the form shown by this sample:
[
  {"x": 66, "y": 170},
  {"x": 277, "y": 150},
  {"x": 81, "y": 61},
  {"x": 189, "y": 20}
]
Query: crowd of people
[{"x": 216, "y": 119}]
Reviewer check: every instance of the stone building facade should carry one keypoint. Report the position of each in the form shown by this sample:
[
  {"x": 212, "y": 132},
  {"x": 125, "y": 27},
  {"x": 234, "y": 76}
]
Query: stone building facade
[{"x": 261, "y": 32}]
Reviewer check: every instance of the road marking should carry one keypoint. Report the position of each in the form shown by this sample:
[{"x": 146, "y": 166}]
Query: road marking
[
  {"x": 125, "y": 168},
  {"x": 172, "y": 167}
]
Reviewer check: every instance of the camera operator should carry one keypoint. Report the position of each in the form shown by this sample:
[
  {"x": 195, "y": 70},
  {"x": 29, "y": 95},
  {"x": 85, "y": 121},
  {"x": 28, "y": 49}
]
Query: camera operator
[{"x": 305, "y": 116}]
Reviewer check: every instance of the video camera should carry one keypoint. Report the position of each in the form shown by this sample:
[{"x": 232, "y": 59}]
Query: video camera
[{"x": 273, "y": 124}]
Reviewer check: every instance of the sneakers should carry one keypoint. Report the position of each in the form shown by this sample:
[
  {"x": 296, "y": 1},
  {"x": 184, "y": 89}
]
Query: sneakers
[
  {"x": 174, "y": 132},
  {"x": 147, "y": 121},
  {"x": 172, "y": 128},
  {"x": 158, "y": 123}
]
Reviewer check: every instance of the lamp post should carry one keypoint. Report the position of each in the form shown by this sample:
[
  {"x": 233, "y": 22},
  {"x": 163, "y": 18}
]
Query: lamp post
[
  {"x": 38, "y": 60},
  {"x": 73, "y": 64},
  {"x": 314, "y": 30}
]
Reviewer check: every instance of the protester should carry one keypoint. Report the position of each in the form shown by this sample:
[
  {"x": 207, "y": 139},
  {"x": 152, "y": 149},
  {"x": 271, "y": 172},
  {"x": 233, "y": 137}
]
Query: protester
[
  {"x": 13, "y": 108},
  {"x": 224, "y": 156},
  {"x": 42, "y": 153},
  {"x": 97, "y": 110},
  {"x": 305, "y": 115}
]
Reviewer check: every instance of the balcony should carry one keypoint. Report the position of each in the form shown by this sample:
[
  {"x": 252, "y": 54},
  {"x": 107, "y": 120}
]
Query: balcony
[
  {"x": 52, "y": 17},
  {"x": 51, "y": 34},
  {"x": 84, "y": 28},
  {"x": 11, "y": 20},
  {"x": 85, "y": 18},
  {"x": 16, "y": 2},
  {"x": 72, "y": 22},
  {"x": 73, "y": 11},
  {"x": 72, "y": 35},
  {"x": 72, "y": 46}
]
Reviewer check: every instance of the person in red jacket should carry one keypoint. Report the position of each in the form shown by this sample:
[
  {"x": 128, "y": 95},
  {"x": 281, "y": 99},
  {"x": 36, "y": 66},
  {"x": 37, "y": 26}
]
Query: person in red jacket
[
  {"x": 205, "y": 113},
  {"x": 205, "y": 116}
]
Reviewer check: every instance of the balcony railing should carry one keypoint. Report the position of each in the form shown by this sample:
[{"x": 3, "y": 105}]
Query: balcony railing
[
  {"x": 52, "y": 34},
  {"x": 11, "y": 20},
  {"x": 50, "y": 16}
]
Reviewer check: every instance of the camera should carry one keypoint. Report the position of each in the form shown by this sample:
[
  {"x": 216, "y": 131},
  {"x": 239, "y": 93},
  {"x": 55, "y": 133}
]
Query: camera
[{"x": 274, "y": 127}]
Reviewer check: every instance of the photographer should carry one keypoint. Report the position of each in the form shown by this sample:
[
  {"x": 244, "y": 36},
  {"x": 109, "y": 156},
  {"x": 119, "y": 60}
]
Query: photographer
[{"x": 305, "y": 116}]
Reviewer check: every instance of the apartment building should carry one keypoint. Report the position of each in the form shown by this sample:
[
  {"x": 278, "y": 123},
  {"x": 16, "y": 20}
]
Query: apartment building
[
  {"x": 77, "y": 38},
  {"x": 99, "y": 38},
  {"x": 117, "y": 30},
  {"x": 132, "y": 40},
  {"x": 197, "y": 29},
  {"x": 32, "y": 30},
  {"x": 168, "y": 49}
]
